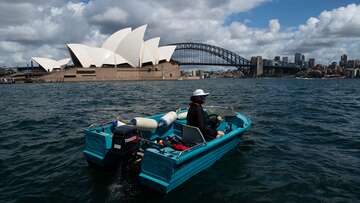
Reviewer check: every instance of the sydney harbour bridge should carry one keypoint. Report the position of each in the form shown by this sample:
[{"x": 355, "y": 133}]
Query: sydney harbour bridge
[{"x": 200, "y": 54}]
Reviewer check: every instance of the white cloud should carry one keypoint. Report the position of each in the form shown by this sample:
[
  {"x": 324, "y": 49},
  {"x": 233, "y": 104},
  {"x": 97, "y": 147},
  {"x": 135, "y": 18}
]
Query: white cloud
[
  {"x": 274, "y": 25},
  {"x": 325, "y": 37},
  {"x": 76, "y": 8},
  {"x": 11, "y": 46},
  {"x": 9, "y": 14},
  {"x": 31, "y": 29},
  {"x": 114, "y": 14}
]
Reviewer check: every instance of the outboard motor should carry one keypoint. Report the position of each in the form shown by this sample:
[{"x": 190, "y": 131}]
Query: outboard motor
[
  {"x": 125, "y": 140},
  {"x": 125, "y": 144}
]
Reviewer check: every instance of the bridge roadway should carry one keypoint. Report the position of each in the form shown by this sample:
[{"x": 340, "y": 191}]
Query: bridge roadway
[{"x": 216, "y": 64}]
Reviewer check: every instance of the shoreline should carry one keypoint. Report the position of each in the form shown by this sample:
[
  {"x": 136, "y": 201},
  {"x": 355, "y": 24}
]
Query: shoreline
[{"x": 181, "y": 79}]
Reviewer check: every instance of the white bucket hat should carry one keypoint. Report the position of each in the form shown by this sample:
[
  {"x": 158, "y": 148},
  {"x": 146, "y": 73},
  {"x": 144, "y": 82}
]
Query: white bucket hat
[{"x": 200, "y": 92}]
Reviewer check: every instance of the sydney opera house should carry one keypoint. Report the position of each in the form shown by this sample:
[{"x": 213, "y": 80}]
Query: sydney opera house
[{"x": 123, "y": 56}]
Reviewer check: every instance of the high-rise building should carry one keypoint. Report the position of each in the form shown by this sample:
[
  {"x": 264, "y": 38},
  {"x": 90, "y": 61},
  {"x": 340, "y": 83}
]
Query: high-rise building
[
  {"x": 285, "y": 59},
  {"x": 298, "y": 59},
  {"x": 357, "y": 63},
  {"x": 267, "y": 62},
  {"x": 303, "y": 64},
  {"x": 258, "y": 61},
  {"x": 277, "y": 58},
  {"x": 311, "y": 63},
  {"x": 343, "y": 60},
  {"x": 350, "y": 64},
  {"x": 253, "y": 60}
]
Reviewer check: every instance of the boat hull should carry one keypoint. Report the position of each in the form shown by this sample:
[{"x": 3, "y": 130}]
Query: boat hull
[
  {"x": 185, "y": 170},
  {"x": 98, "y": 147}
]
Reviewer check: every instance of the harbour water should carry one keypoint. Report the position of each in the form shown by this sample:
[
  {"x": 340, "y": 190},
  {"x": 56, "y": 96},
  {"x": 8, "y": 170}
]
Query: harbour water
[{"x": 306, "y": 141}]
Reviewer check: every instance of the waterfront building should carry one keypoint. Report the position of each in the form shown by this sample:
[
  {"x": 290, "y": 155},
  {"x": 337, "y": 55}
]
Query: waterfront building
[
  {"x": 285, "y": 60},
  {"x": 352, "y": 73},
  {"x": 124, "y": 55},
  {"x": 357, "y": 63},
  {"x": 343, "y": 60},
  {"x": 311, "y": 63},
  {"x": 200, "y": 74},
  {"x": 253, "y": 60},
  {"x": 357, "y": 73},
  {"x": 350, "y": 64},
  {"x": 259, "y": 66},
  {"x": 303, "y": 64},
  {"x": 353, "y": 63},
  {"x": 125, "y": 46},
  {"x": 277, "y": 58},
  {"x": 267, "y": 62},
  {"x": 293, "y": 65},
  {"x": 298, "y": 60},
  {"x": 193, "y": 73}
]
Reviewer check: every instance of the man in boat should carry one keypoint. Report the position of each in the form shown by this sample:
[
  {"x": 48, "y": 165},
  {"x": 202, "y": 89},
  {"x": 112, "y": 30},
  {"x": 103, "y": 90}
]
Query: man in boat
[{"x": 198, "y": 118}]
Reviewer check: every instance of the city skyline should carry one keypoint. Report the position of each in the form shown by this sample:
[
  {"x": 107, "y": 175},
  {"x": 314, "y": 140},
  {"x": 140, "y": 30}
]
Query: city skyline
[
  {"x": 300, "y": 60},
  {"x": 324, "y": 31}
]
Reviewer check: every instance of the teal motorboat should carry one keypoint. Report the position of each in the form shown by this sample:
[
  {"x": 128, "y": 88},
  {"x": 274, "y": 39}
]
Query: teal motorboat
[{"x": 154, "y": 141}]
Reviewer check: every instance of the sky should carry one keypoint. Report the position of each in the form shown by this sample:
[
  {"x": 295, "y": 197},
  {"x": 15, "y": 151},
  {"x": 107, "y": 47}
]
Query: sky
[
  {"x": 291, "y": 13},
  {"x": 321, "y": 29}
]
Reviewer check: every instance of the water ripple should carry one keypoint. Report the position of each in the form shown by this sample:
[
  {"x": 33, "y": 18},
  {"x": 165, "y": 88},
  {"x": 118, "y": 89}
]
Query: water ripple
[{"x": 306, "y": 134}]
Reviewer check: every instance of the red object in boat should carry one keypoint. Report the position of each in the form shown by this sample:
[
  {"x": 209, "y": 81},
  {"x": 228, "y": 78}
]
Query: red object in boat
[{"x": 180, "y": 147}]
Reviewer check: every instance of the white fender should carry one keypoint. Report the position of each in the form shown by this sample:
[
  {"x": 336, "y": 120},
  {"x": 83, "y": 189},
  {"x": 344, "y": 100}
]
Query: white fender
[
  {"x": 146, "y": 124},
  {"x": 168, "y": 118}
]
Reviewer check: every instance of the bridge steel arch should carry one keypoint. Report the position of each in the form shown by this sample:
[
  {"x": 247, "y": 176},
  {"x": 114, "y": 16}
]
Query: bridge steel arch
[{"x": 229, "y": 58}]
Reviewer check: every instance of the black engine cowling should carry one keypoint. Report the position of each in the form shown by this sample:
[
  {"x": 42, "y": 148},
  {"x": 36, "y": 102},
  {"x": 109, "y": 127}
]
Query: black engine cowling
[{"x": 125, "y": 140}]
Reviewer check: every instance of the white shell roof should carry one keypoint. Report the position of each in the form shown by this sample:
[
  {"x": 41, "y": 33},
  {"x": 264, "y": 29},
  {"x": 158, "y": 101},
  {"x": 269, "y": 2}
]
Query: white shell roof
[
  {"x": 112, "y": 58},
  {"x": 94, "y": 56},
  {"x": 130, "y": 46},
  {"x": 81, "y": 52},
  {"x": 150, "y": 51},
  {"x": 112, "y": 42},
  {"x": 124, "y": 46},
  {"x": 50, "y": 64},
  {"x": 166, "y": 52}
]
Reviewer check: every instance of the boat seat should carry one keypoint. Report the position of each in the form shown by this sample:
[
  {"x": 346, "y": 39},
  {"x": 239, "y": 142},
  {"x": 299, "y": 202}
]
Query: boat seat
[{"x": 192, "y": 135}]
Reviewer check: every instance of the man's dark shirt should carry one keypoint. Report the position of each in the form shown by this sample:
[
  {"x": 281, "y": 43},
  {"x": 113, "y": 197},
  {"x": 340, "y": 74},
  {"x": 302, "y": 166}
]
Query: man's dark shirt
[{"x": 197, "y": 117}]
